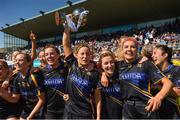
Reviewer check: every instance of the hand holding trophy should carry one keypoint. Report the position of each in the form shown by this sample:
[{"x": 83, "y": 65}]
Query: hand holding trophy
[{"x": 74, "y": 20}]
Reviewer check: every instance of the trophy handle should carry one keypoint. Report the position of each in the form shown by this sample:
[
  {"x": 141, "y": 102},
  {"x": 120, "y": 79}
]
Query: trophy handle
[
  {"x": 60, "y": 18},
  {"x": 57, "y": 18}
]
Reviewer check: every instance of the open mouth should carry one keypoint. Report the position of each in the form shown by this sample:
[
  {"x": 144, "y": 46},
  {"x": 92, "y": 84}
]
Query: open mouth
[
  {"x": 50, "y": 60},
  {"x": 154, "y": 59},
  {"x": 129, "y": 53},
  {"x": 85, "y": 61}
]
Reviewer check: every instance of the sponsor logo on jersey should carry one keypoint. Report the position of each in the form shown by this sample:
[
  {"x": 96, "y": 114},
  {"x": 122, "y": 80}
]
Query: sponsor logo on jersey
[
  {"x": 83, "y": 84},
  {"x": 138, "y": 79},
  {"x": 56, "y": 83},
  {"x": 113, "y": 90},
  {"x": 139, "y": 65}
]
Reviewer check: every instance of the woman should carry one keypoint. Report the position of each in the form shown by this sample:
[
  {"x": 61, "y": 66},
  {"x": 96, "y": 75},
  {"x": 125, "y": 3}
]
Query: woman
[
  {"x": 29, "y": 85},
  {"x": 42, "y": 59},
  {"x": 7, "y": 110},
  {"x": 146, "y": 52},
  {"x": 162, "y": 56},
  {"x": 55, "y": 74},
  {"x": 82, "y": 82},
  {"x": 111, "y": 95},
  {"x": 118, "y": 52},
  {"x": 135, "y": 79}
]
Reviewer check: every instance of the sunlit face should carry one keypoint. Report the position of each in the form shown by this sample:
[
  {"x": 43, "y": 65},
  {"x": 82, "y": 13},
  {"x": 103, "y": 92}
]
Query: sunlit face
[
  {"x": 129, "y": 51},
  {"x": 83, "y": 56},
  {"x": 158, "y": 56},
  {"x": 14, "y": 56},
  {"x": 41, "y": 57},
  {"x": 108, "y": 65},
  {"x": 3, "y": 71},
  {"x": 21, "y": 62},
  {"x": 52, "y": 57}
]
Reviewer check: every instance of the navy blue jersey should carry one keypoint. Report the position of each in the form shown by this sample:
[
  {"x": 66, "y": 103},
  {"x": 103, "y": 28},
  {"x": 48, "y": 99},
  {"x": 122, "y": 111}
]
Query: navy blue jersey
[
  {"x": 5, "y": 107},
  {"x": 111, "y": 99},
  {"x": 136, "y": 79},
  {"x": 55, "y": 83},
  {"x": 173, "y": 73},
  {"x": 8, "y": 109},
  {"x": 169, "y": 103},
  {"x": 28, "y": 89},
  {"x": 81, "y": 86}
]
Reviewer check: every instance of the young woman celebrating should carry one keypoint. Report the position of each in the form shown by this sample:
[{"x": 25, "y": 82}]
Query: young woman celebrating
[
  {"x": 82, "y": 82},
  {"x": 55, "y": 74},
  {"x": 162, "y": 56},
  {"x": 135, "y": 79},
  {"x": 111, "y": 96},
  {"x": 29, "y": 85},
  {"x": 7, "y": 110}
]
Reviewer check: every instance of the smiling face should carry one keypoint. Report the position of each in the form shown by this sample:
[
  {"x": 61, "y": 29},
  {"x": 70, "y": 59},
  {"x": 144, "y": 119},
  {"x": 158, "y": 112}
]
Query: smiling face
[
  {"x": 108, "y": 65},
  {"x": 14, "y": 55},
  {"x": 158, "y": 56},
  {"x": 41, "y": 57},
  {"x": 83, "y": 56},
  {"x": 52, "y": 57},
  {"x": 129, "y": 51},
  {"x": 21, "y": 62}
]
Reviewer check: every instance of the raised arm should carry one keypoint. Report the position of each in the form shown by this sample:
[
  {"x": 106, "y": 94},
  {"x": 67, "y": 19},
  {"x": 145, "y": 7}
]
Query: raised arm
[
  {"x": 66, "y": 42},
  {"x": 32, "y": 37}
]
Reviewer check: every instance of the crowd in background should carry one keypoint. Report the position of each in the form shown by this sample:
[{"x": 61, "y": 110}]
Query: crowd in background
[
  {"x": 122, "y": 75},
  {"x": 167, "y": 34}
]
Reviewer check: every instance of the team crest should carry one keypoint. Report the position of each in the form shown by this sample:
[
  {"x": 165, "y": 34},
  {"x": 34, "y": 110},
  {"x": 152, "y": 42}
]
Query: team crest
[
  {"x": 169, "y": 76},
  {"x": 139, "y": 65},
  {"x": 23, "y": 84},
  {"x": 19, "y": 83},
  {"x": 130, "y": 66},
  {"x": 89, "y": 73}
]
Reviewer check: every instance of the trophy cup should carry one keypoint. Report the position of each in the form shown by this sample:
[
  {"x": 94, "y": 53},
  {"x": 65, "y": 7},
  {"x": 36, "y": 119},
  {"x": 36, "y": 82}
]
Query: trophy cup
[{"x": 74, "y": 20}]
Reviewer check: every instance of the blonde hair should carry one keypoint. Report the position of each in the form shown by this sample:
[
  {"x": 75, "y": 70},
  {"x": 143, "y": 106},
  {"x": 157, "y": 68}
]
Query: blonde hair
[
  {"x": 118, "y": 52},
  {"x": 130, "y": 39},
  {"x": 79, "y": 46},
  {"x": 147, "y": 51},
  {"x": 105, "y": 54},
  {"x": 26, "y": 55}
]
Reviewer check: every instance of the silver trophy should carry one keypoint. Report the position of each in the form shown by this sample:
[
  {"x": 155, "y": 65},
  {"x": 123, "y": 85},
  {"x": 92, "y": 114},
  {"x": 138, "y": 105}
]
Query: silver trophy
[{"x": 74, "y": 20}]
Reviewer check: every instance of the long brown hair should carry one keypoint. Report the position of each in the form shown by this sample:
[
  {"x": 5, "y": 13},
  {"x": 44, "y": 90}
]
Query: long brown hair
[{"x": 105, "y": 54}]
